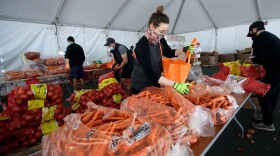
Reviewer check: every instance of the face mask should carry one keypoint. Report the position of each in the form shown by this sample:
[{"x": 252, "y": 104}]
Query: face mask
[
  {"x": 111, "y": 49},
  {"x": 254, "y": 36}
]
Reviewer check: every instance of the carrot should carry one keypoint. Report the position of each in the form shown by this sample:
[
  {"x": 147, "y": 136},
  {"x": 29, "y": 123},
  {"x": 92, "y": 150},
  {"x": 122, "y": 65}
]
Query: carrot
[
  {"x": 113, "y": 118},
  {"x": 87, "y": 118},
  {"x": 124, "y": 124},
  {"x": 95, "y": 123}
]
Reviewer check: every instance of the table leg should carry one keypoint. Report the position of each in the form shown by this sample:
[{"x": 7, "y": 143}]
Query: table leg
[
  {"x": 255, "y": 108},
  {"x": 242, "y": 129}
]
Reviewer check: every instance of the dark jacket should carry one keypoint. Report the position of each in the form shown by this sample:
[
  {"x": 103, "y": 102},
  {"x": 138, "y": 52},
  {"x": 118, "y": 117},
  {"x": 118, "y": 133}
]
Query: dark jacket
[
  {"x": 266, "y": 52},
  {"x": 148, "y": 65},
  {"x": 118, "y": 58},
  {"x": 75, "y": 54}
]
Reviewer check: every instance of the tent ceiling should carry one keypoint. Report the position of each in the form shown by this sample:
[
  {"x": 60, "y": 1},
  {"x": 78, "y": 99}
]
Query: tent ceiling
[{"x": 132, "y": 15}]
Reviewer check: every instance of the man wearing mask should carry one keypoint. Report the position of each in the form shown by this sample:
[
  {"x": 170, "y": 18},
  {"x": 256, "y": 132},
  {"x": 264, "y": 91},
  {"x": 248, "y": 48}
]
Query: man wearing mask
[
  {"x": 124, "y": 60},
  {"x": 266, "y": 52},
  {"x": 75, "y": 58}
]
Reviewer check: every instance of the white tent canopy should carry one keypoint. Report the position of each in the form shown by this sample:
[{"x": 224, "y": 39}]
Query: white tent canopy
[{"x": 38, "y": 25}]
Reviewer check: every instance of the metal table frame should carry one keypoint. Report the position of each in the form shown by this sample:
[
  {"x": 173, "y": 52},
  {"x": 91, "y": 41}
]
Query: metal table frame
[{"x": 226, "y": 124}]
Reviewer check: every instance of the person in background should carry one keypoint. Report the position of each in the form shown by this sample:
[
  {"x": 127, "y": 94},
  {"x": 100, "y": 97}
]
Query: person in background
[
  {"x": 75, "y": 58},
  {"x": 132, "y": 48},
  {"x": 148, "y": 66},
  {"x": 124, "y": 60},
  {"x": 266, "y": 52},
  {"x": 197, "y": 51}
]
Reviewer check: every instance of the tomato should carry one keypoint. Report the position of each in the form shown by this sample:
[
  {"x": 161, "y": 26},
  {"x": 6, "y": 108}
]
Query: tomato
[
  {"x": 38, "y": 118},
  {"x": 33, "y": 141},
  {"x": 20, "y": 101}
]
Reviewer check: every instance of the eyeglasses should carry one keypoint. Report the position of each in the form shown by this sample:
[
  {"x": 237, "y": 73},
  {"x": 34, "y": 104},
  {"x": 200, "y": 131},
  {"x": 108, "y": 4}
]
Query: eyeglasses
[{"x": 163, "y": 31}]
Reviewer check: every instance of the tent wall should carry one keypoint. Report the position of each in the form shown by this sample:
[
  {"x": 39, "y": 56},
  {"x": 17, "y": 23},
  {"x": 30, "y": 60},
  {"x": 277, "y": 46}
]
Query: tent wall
[{"x": 18, "y": 37}]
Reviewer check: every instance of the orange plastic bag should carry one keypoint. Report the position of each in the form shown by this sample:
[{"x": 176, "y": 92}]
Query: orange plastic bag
[{"x": 177, "y": 70}]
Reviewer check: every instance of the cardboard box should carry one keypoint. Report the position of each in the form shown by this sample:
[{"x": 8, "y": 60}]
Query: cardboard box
[
  {"x": 243, "y": 56},
  {"x": 227, "y": 58},
  {"x": 209, "y": 60}
]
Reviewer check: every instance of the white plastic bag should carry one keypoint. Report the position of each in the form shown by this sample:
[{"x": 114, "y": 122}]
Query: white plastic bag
[{"x": 201, "y": 122}]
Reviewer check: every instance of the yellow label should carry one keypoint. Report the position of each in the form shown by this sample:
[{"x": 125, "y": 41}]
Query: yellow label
[
  {"x": 75, "y": 106},
  {"x": 3, "y": 118},
  {"x": 35, "y": 104},
  {"x": 247, "y": 65},
  {"x": 98, "y": 65},
  {"x": 117, "y": 98},
  {"x": 80, "y": 93},
  {"x": 49, "y": 126},
  {"x": 106, "y": 82},
  {"x": 48, "y": 113},
  {"x": 39, "y": 90}
]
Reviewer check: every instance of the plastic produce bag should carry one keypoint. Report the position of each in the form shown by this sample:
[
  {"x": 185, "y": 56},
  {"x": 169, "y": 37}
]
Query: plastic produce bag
[
  {"x": 80, "y": 136},
  {"x": 194, "y": 73},
  {"x": 32, "y": 55},
  {"x": 201, "y": 122},
  {"x": 14, "y": 75},
  {"x": 220, "y": 106},
  {"x": 166, "y": 107}
]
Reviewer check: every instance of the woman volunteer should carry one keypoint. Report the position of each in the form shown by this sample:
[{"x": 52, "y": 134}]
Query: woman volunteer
[{"x": 149, "y": 50}]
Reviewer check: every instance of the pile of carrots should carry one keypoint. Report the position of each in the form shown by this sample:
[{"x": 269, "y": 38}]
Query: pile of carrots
[
  {"x": 159, "y": 98},
  {"x": 211, "y": 102},
  {"x": 115, "y": 133},
  {"x": 163, "y": 107}
]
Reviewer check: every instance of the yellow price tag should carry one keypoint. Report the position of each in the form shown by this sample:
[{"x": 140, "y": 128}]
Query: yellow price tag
[
  {"x": 117, "y": 98},
  {"x": 48, "y": 113},
  {"x": 3, "y": 118},
  {"x": 39, "y": 90},
  {"x": 106, "y": 82},
  {"x": 80, "y": 93},
  {"x": 49, "y": 126},
  {"x": 75, "y": 106},
  {"x": 98, "y": 65},
  {"x": 35, "y": 104}
]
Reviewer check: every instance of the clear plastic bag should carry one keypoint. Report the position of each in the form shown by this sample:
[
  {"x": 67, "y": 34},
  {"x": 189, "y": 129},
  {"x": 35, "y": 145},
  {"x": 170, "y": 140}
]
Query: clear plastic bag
[
  {"x": 37, "y": 64},
  {"x": 201, "y": 122},
  {"x": 14, "y": 75},
  {"x": 172, "y": 118},
  {"x": 140, "y": 137},
  {"x": 194, "y": 73},
  {"x": 32, "y": 55}
]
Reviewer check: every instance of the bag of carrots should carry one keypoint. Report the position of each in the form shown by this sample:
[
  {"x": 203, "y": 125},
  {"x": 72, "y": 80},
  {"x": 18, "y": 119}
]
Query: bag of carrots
[
  {"x": 221, "y": 105},
  {"x": 115, "y": 133},
  {"x": 169, "y": 109}
]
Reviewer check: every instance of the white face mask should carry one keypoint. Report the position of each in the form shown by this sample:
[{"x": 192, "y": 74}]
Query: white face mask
[{"x": 111, "y": 48}]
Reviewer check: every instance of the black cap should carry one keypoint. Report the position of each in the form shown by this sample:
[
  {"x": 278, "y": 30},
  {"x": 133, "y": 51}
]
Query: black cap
[
  {"x": 109, "y": 41},
  {"x": 259, "y": 25}
]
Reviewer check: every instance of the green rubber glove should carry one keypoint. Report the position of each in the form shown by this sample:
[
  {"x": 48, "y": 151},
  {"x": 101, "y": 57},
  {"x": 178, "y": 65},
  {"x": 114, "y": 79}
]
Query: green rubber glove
[
  {"x": 190, "y": 48},
  {"x": 182, "y": 87}
]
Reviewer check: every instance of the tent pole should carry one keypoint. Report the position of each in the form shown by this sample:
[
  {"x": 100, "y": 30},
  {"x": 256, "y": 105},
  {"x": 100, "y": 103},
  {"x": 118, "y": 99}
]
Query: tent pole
[
  {"x": 236, "y": 40},
  {"x": 216, "y": 39},
  {"x": 56, "y": 24},
  {"x": 258, "y": 9},
  {"x": 85, "y": 44},
  {"x": 177, "y": 17},
  {"x": 116, "y": 14},
  {"x": 210, "y": 17}
]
